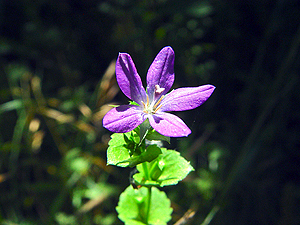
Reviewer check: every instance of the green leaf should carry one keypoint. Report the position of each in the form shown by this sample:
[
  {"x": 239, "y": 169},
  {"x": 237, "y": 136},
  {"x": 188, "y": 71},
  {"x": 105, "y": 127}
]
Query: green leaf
[
  {"x": 150, "y": 154},
  {"x": 117, "y": 150},
  {"x": 124, "y": 150},
  {"x": 167, "y": 169},
  {"x": 133, "y": 202},
  {"x": 64, "y": 219},
  {"x": 115, "y": 106},
  {"x": 75, "y": 162},
  {"x": 133, "y": 103},
  {"x": 155, "y": 136},
  {"x": 91, "y": 191}
]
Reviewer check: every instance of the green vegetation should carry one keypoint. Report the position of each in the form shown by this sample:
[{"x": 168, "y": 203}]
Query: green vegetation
[{"x": 57, "y": 81}]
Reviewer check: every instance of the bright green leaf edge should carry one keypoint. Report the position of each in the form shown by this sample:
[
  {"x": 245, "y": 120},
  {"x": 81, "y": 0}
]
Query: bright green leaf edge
[
  {"x": 132, "y": 207},
  {"x": 153, "y": 135},
  {"x": 167, "y": 169},
  {"x": 123, "y": 147}
]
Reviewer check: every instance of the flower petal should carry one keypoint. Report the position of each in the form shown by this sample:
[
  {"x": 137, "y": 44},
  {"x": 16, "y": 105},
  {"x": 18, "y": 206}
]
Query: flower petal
[
  {"x": 123, "y": 118},
  {"x": 186, "y": 98},
  {"x": 128, "y": 79},
  {"x": 169, "y": 125},
  {"x": 161, "y": 72}
]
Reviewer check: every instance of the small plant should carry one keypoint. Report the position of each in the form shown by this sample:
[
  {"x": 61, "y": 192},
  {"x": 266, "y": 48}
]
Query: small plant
[{"x": 140, "y": 128}]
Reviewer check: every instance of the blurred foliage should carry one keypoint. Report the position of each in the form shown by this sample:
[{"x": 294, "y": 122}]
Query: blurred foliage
[{"x": 57, "y": 81}]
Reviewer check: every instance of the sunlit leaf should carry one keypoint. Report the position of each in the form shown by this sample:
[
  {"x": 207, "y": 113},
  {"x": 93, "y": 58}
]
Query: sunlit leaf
[
  {"x": 155, "y": 136},
  {"x": 124, "y": 151},
  {"x": 76, "y": 162},
  {"x": 167, "y": 169},
  {"x": 132, "y": 207}
]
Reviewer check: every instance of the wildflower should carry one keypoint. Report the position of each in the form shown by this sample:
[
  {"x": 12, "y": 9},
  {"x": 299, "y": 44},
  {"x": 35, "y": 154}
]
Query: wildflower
[{"x": 154, "y": 103}]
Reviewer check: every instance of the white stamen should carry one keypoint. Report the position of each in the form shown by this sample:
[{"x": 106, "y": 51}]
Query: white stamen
[{"x": 149, "y": 108}]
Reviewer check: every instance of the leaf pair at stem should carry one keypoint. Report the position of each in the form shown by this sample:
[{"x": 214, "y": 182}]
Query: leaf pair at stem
[{"x": 156, "y": 166}]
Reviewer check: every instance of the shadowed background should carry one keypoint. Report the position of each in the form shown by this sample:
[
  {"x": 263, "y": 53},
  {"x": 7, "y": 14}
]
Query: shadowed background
[{"x": 57, "y": 81}]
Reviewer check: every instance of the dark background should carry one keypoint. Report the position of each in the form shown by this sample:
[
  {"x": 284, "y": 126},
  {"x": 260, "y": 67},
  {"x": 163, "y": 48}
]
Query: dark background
[{"x": 55, "y": 87}]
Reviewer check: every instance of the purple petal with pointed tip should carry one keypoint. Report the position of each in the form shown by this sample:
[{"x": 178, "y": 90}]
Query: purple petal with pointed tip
[
  {"x": 161, "y": 71},
  {"x": 128, "y": 79},
  {"x": 169, "y": 125},
  {"x": 186, "y": 98},
  {"x": 123, "y": 118}
]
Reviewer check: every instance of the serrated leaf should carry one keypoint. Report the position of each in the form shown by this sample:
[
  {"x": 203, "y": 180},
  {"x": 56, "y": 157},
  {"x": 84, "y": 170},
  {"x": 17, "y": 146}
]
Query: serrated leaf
[
  {"x": 132, "y": 207},
  {"x": 121, "y": 147},
  {"x": 117, "y": 150},
  {"x": 167, "y": 169}
]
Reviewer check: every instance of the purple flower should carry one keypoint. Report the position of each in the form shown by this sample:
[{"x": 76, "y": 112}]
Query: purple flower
[{"x": 155, "y": 102}]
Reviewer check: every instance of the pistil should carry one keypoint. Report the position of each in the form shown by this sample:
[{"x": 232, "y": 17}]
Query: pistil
[
  {"x": 158, "y": 89},
  {"x": 149, "y": 109}
]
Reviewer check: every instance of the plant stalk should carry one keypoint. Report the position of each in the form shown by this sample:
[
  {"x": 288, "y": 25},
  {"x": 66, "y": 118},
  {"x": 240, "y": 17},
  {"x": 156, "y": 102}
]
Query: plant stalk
[
  {"x": 146, "y": 172},
  {"x": 148, "y": 204}
]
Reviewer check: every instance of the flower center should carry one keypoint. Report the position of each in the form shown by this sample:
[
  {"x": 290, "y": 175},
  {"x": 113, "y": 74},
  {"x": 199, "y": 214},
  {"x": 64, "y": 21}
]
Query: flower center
[{"x": 151, "y": 108}]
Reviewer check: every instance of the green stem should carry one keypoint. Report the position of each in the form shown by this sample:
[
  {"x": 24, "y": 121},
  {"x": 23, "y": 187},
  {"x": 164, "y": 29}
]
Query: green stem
[
  {"x": 142, "y": 139},
  {"x": 210, "y": 215},
  {"x": 144, "y": 129},
  {"x": 146, "y": 170},
  {"x": 148, "y": 204}
]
